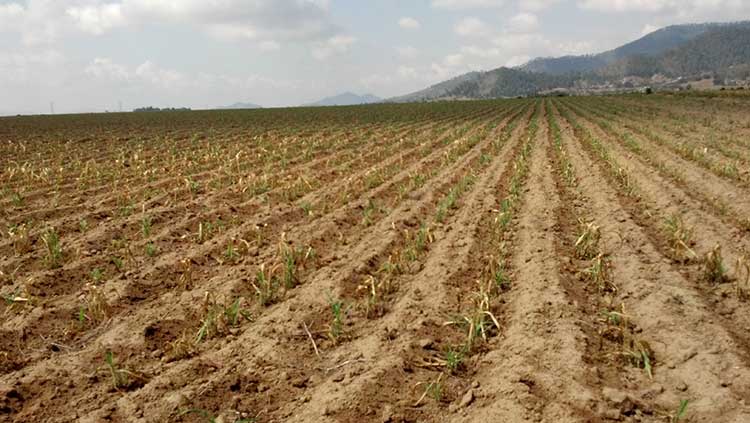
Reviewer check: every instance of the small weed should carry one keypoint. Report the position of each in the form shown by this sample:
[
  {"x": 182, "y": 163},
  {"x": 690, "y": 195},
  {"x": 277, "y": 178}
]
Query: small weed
[
  {"x": 151, "y": 249},
  {"x": 307, "y": 208},
  {"x": 83, "y": 225}
]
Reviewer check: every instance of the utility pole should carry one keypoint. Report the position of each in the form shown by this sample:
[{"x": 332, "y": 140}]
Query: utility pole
[
  {"x": 119, "y": 104},
  {"x": 52, "y": 107}
]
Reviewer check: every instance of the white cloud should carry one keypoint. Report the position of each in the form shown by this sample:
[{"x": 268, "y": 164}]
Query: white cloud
[
  {"x": 97, "y": 20},
  {"x": 147, "y": 72},
  {"x": 472, "y": 27},
  {"x": 648, "y": 28},
  {"x": 453, "y": 60},
  {"x": 44, "y": 21},
  {"x": 27, "y": 64},
  {"x": 536, "y": 5},
  {"x": 409, "y": 23},
  {"x": 484, "y": 53},
  {"x": 105, "y": 68},
  {"x": 269, "y": 45},
  {"x": 517, "y": 61},
  {"x": 407, "y": 52},
  {"x": 407, "y": 72},
  {"x": 702, "y": 10},
  {"x": 467, "y": 4},
  {"x": 523, "y": 22},
  {"x": 334, "y": 45}
]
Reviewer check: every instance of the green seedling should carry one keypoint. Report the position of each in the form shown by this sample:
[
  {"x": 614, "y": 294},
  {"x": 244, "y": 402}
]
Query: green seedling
[
  {"x": 120, "y": 377},
  {"x": 336, "y": 328},
  {"x": 434, "y": 389},
  {"x": 681, "y": 411},
  {"x": 118, "y": 262},
  {"x": 266, "y": 286},
  {"x": 16, "y": 199},
  {"x": 454, "y": 359},
  {"x": 151, "y": 249},
  {"x": 146, "y": 226}
]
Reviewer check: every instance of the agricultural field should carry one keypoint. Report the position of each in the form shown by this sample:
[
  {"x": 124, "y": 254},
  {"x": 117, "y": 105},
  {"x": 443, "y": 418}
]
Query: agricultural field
[{"x": 572, "y": 259}]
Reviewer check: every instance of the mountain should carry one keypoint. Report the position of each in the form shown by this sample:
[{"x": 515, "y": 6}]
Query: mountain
[
  {"x": 346, "y": 99},
  {"x": 501, "y": 82},
  {"x": 652, "y": 44},
  {"x": 241, "y": 106},
  {"x": 675, "y": 53}
]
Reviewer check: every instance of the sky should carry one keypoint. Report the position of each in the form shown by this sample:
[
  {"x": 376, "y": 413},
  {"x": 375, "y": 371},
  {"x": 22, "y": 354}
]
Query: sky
[{"x": 93, "y": 55}]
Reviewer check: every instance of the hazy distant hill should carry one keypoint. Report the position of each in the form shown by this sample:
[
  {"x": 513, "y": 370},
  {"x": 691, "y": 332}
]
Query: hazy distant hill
[
  {"x": 719, "y": 49},
  {"x": 241, "y": 106},
  {"x": 346, "y": 99},
  {"x": 652, "y": 44}
]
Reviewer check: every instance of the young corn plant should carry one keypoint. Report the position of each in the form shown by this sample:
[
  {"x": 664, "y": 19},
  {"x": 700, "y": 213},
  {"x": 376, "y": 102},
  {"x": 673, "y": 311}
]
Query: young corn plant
[
  {"x": 120, "y": 377},
  {"x": 714, "y": 270},
  {"x": 743, "y": 278},
  {"x": 53, "y": 248},
  {"x": 587, "y": 243},
  {"x": 146, "y": 226},
  {"x": 19, "y": 235},
  {"x": 336, "y": 328},
  {"x": 598, "y": 273},
  {"x": 96, "y": 308},
  {"x": 454, "y": 358},
  {"x": 681, "y": 412},
  {"x": 634, "y": 350},
  {"x": 219, "y": 317},
  {"x": 480, "y": 320},
  {"x": 266, "y": 286},
  {"x": 151, "y": 249},
  {"x": 680, "y": 239}
]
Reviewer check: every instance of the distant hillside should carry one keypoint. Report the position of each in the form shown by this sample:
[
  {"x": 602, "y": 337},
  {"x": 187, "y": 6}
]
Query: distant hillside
[
  {"x": 346, "y": 99},
  {"x": 501, "y": 82},
  {"x": 652, "y": 44},
  {"x": 676, "y": 52},
  {"x": 241, "y": 106}
]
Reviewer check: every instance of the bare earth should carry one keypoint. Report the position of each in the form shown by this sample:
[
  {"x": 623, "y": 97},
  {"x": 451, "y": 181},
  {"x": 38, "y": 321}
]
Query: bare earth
[{"x": 577, "y": 259}]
